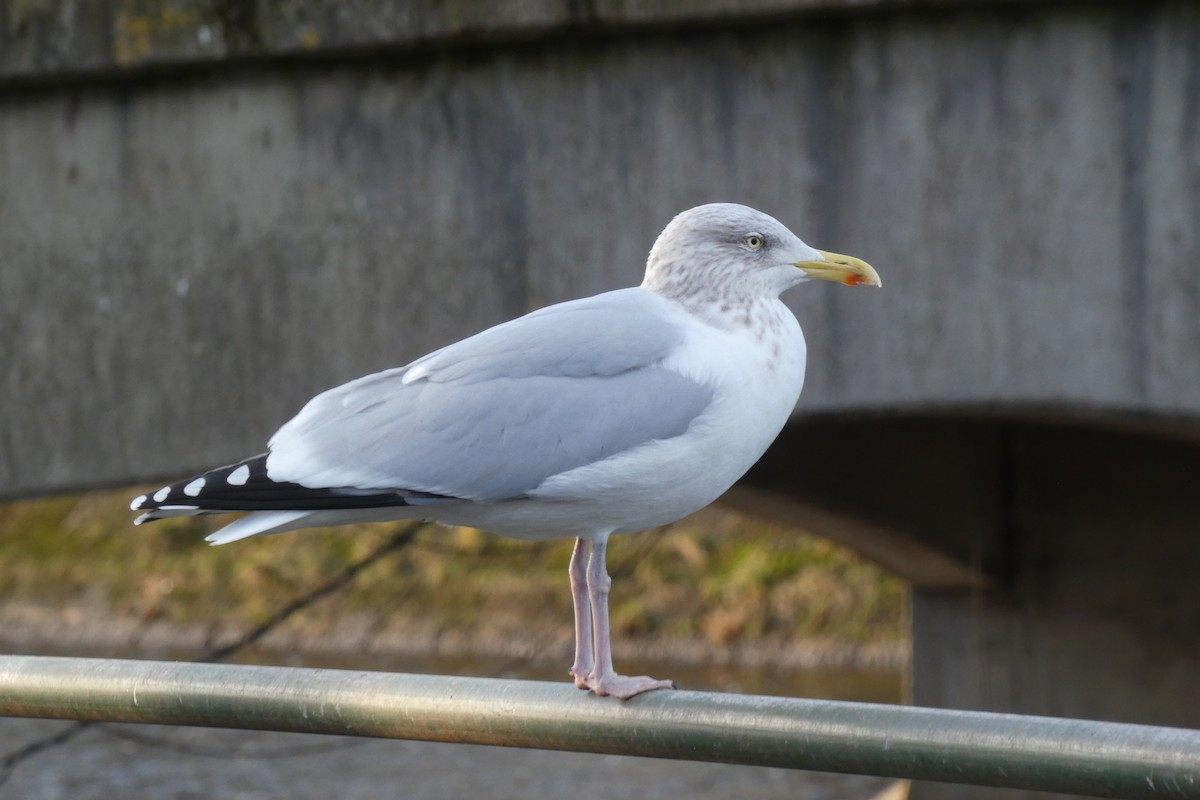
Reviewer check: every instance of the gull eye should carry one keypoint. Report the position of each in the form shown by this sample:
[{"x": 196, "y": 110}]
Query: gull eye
[{"x": 755, "y": 241}]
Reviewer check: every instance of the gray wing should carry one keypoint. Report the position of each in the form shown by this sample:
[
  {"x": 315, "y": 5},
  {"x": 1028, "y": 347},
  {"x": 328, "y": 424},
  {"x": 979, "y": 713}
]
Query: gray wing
[{"x": 493, "y": 416}]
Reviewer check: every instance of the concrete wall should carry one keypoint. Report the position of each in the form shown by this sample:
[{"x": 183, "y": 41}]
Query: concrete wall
[
  {"x": 190, "y": 251},
  {"x": 53, "y": 38}
]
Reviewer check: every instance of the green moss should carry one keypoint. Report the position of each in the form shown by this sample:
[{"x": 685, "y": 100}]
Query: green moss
[{"x": 717, "y": 574}]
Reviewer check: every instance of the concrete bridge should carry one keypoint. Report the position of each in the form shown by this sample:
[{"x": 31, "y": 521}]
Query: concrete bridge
[{"x": 210, "y": 211}]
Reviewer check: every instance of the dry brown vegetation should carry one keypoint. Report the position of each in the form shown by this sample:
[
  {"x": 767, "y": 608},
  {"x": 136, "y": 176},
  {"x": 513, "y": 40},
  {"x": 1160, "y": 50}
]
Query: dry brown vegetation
[{"x": 717, "y": 576}]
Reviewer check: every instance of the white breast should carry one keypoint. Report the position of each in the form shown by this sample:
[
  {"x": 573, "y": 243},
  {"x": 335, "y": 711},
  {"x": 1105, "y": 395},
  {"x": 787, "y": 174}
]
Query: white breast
[{"x": 757, "y": 376}]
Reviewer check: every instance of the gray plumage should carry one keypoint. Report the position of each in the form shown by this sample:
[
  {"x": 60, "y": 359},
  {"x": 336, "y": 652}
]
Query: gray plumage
[{"x": 491, "y": 417}]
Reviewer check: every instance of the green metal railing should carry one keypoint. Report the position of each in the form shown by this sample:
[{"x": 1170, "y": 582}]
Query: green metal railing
[{"x": 1062, "y": 755}]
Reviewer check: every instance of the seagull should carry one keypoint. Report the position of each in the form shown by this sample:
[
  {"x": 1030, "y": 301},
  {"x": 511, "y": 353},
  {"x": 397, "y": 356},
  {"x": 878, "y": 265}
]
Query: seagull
[{"x": 610, "y": 414}]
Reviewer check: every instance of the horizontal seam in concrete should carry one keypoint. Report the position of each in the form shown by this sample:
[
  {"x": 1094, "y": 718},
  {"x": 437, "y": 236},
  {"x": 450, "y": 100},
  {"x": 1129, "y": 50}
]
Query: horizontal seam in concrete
[{"x": 482, "y": 32}]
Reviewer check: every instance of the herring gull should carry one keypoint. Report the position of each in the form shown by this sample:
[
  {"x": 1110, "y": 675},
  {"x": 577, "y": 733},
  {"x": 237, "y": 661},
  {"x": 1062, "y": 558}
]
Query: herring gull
[{"x": 605, "y": 415}]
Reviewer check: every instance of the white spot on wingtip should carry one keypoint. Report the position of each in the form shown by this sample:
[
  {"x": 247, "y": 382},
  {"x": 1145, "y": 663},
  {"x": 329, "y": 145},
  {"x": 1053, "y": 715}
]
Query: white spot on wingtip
[
  {"x": 137, "y": 502},
  {"x": 239, "y": 476},
  {"x": 194, "y": 488},
  {"x": 162, "y": 494}
]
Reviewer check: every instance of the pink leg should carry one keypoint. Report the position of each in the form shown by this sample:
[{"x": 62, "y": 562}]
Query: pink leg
[
  {"x": 604, "y": 680},
  {"x": 585, "y": 658}
]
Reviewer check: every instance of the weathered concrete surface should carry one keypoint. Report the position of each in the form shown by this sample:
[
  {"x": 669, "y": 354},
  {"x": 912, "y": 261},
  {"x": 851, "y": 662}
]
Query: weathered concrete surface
[
  {"x": 211, "y": 250},
  {"x": 63, "y": 37}
]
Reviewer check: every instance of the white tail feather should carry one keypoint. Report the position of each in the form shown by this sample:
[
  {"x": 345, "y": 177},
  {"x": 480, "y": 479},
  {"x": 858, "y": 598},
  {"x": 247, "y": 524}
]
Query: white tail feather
[
  {"x": 259, "y": 523},
  {"x": 262, "y": 523}
]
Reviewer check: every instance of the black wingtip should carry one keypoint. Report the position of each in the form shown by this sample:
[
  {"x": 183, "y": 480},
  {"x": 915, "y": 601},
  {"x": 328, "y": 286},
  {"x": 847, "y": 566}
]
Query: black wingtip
[{"x": 245, "y": 486}]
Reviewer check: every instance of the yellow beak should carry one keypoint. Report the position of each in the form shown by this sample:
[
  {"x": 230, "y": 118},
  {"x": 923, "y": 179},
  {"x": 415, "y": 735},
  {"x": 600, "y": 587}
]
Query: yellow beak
[{"x": 843, "y": 269}]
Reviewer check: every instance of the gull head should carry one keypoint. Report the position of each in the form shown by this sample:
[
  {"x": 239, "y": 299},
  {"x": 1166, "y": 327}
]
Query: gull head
[{"x": 724, "y": 251}]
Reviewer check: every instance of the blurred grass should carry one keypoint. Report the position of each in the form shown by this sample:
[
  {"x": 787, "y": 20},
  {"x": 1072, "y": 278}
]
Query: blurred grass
[{"x": 717, "y": 575}]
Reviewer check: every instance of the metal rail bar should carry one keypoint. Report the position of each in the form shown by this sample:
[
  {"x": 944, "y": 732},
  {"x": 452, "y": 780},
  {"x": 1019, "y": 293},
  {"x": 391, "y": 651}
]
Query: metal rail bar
[{"x": 1061, "y": 755}]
